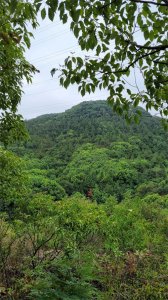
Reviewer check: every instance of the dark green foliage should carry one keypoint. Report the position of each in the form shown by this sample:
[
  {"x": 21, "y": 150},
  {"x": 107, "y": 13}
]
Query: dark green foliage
[
  {"x": 63, "y": 281},
  {"x": 126, "y": 47},
  {"x": 96, "y": 123},
  {"x": 109, "y": 29},
  {"x": 14, "y": 38}
]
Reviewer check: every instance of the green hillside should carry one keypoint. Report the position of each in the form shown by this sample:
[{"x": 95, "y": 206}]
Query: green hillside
[
  {"x": 90, "y": 147},
  {"x": 93, "y": 122},
  {"x": 84, "y": 208}
]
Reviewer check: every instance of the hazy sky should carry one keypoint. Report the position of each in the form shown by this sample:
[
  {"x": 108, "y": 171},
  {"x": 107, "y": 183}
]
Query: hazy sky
[{"x": 52, "y": 44}]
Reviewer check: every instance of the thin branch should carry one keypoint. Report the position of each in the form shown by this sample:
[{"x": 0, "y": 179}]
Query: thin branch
[
  {"x": 106, "y": 5},
  {"x": 131, "y": 64},
  {"x": 43, "y": 243},
  {"x": 164, "y": 81},
  {"x": 128, "y": 82},
  {"x": 138, "y": 58},
  {"x": 159, "y": 47},
  {"x": 160, "y": 62},
  {"x": 139, "y": 1},
  {"x": 136, "y": 83},
  {"x": 150, "y": 2}
]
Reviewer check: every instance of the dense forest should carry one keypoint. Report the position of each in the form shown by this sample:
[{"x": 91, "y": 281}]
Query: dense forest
[
  {"x": 84, "y": 206},
  {"x": 84, "y": 201}
]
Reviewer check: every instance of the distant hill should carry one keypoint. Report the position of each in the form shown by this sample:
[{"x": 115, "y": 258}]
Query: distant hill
[
  {"x": 89, "y": 146},
  {"x": 92, "y": 122}
]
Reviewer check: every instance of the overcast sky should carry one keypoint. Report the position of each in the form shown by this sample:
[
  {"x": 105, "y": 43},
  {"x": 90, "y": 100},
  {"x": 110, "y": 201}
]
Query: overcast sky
[{"x": 52, "y": 43}]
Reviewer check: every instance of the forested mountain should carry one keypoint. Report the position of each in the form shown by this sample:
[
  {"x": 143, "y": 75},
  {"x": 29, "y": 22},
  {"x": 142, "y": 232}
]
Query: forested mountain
[
  {"x": 93, "y": 122},
  {"x": 84, "y": 208},
  {"x": 91, "y": 147}
]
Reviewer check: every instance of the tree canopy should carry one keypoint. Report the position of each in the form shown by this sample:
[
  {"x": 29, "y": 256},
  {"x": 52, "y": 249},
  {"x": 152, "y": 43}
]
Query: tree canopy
[
  {"x": 89, "y": 147},
  {"x": 83, "y": 214},
  {"x": 128, "y": 43},
  {"x": 14, "y": 68}
]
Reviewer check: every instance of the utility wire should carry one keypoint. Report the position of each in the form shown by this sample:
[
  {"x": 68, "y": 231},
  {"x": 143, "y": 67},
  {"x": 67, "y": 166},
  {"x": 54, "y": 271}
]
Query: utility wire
[
  {"x": 42, "y": 92},
  {"x": 47, "y": 26},
  {"x": 37, "y": 83},
  {"x": 54, "y": 55},
  {"x": 49, "y": 37}
]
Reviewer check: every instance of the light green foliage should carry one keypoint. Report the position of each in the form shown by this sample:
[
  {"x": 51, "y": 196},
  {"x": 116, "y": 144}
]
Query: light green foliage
[
  {"x": 75, "y": 249},
  {"x": 91, "y": 147},
  {"x": 107, "y": 171},
  {"x": 41, "y": 184},
  {"x": 112, "y": 245},
  {"x": 13, "y": 182}
]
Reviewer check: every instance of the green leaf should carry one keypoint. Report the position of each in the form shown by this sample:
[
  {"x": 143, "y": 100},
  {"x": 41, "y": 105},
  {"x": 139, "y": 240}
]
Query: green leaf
[
  {"x": 136, "y": 102},
  {"x": 98, "y": 50},
  {"x": 53, "y": 71},
  {"x": 76, "y": 31},
  {"x": 51, "y": 14},
  {"x": 13, "y": 6},
  {"x": 69, "y": 65},
  {"x": 83, "y": 92},
  {"x": 66, "y": 82},
  {"x": 65, "y": 18},
  {"x": 107, "y": 57},
  {"x": 27, "y": 40},
  {"x": 43, "y": 13},
  {"x": 75, "y": 13},
  {"x": 80, "y": 61},
  {"x": 74, "y": 59},
  {"x": 141, "y": 62}
]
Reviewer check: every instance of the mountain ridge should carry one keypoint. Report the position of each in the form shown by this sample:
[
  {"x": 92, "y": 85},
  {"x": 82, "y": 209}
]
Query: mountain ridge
[{"x": 92, "y": 122}]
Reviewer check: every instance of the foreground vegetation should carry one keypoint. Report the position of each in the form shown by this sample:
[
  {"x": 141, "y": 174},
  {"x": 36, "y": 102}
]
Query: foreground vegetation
[
  {"x": 75, "y": 249},
  {"x": 86, "y": 216}
]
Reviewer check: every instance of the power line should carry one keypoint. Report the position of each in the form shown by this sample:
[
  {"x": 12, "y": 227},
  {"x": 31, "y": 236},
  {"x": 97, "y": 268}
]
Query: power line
[
  {"x": 47, "y": 26},
  {"x": 42, "y": 92},
  {"x": 37, "y": 83},
  {"x": 52, "y": 54},
  {"x": 50, "y": 37}
]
